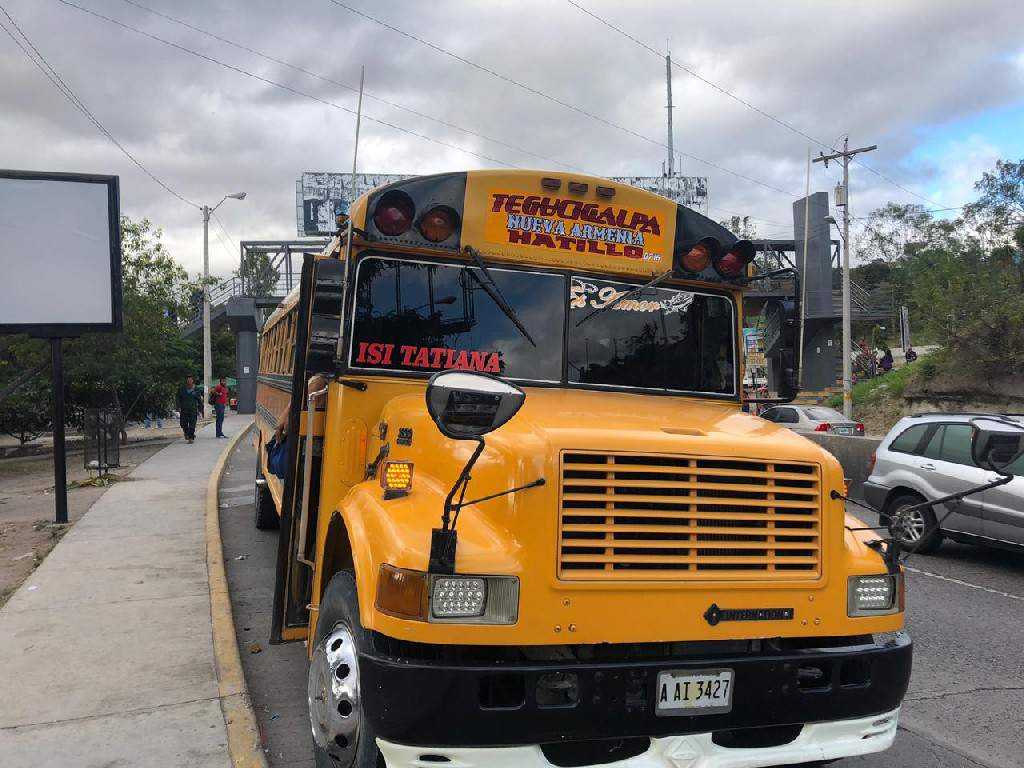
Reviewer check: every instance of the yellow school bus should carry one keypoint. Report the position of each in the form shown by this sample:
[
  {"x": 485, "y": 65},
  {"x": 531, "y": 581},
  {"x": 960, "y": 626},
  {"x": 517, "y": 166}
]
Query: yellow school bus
[{"x": 525, "y": 520}]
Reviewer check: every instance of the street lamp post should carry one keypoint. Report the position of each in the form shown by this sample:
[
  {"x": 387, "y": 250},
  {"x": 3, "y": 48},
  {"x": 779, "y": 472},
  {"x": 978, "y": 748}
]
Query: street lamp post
[{"x": 207, "y": 340}]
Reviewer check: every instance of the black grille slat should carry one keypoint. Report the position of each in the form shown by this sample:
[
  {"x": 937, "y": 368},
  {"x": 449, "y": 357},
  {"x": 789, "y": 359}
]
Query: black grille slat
[{"x": 670, "y": 514}]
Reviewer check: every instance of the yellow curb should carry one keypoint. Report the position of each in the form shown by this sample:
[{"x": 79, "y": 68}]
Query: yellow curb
[{"x": 239, "y": 719}]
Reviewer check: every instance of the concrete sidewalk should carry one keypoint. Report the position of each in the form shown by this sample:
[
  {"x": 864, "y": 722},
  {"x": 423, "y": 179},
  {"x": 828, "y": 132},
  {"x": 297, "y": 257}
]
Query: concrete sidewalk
[{"x": 106, "y": 650}]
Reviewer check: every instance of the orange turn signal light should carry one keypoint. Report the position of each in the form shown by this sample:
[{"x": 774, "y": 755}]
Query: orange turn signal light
[
  {"x": 396, "y": 476},
  {"x": 696, "y": 259},
  {"x": 402, "y": 593}
]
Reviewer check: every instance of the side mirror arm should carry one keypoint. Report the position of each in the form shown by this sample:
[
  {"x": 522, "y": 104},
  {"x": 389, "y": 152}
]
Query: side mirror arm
[{"x": 444, "y": 540}]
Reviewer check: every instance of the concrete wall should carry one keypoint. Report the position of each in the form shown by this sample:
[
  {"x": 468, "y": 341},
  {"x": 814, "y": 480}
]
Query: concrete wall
[{"x": 852, "y": 452}]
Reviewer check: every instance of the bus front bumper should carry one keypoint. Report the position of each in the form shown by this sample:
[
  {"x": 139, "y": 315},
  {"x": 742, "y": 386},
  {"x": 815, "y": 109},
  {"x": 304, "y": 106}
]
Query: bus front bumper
[
  {"x": 437, "y": 704},
  {"x": 818, "y": 741}
]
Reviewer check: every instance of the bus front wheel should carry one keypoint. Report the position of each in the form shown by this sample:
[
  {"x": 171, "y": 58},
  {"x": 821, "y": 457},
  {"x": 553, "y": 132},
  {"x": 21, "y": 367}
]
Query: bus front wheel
[{"x": 342, "y": 738}]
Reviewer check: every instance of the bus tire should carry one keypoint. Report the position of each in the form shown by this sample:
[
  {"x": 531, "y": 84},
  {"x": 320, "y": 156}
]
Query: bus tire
[
  {"x": 266, "y": 512},
  {"x": 342, "y": 737}
]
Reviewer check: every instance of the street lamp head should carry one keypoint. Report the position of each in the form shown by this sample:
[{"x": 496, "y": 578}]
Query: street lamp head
[{"x": 237, "y": 196}]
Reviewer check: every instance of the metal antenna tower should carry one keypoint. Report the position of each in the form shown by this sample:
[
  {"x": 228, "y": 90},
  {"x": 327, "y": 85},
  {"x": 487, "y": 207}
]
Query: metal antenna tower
[{"x": 670, "y": 165}]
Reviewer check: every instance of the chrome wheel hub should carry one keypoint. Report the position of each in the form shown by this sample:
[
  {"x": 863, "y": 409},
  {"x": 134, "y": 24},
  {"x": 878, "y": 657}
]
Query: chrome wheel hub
[
  {"x": 333, "y": 696},
  {"x": 909, "y": 526}
]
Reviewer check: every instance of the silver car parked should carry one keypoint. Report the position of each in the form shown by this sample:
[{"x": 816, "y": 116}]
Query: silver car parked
[
  {"x": 928, "y": 456},
  {"x": 813, "y": 418}
]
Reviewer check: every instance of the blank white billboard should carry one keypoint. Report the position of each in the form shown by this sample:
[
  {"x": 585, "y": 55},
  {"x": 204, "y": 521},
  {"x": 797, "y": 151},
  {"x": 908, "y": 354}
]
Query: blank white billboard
[{"x": 60, "y": 251}]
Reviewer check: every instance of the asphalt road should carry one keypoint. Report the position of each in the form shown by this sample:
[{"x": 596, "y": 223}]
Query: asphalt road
[{"x": 965, "y": 613}]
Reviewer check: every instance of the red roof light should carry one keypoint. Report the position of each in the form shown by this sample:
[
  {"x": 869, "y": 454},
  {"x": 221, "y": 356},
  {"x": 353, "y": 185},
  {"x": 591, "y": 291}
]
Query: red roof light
[
  {"x": 394, "y": 213},
  {"x": 733, "y": 262},
  {"x": 439, "y": 223}
]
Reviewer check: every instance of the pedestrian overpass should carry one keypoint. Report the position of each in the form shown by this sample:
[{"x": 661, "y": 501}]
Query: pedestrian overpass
[{"x": 268, "y": 270}]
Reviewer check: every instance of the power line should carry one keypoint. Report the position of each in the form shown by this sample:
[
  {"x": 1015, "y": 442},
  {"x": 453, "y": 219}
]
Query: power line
[
  {"x": 66, "y": 91},
  {"x": 346, "y": 86},
  {"x": 554, "y": 99},
  {"x": 282, "y": 86},
  {"x": 229, "y": 245},
  {"x": 779, "y": 121},
  {"x": 692, "y": 72}
]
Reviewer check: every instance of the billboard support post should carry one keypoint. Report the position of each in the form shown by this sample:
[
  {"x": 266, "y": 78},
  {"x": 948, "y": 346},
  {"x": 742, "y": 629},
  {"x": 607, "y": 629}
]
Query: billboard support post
[{"x": 60, "y": 459}]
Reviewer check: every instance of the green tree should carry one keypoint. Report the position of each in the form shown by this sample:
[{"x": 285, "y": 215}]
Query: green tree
[
  {"x": 893, "y": 232},
  {"x": 259, "y": 277},
  {"x": 971, "y": 299},
  {"x": 222, "y": 346},
  {"x": 138, "y": 370},
  {"x": 999, "y": 208},
  {"x": 26, "y": 393}
]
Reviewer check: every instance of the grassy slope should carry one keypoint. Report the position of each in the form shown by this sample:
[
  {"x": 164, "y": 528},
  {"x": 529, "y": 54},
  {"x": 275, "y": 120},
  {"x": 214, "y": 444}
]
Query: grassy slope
[{"x": 879, "y": 402}]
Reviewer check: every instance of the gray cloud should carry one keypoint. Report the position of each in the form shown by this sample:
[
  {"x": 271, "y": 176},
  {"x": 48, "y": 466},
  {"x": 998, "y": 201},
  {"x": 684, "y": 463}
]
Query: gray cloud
[{"x": 886, "y": 73}]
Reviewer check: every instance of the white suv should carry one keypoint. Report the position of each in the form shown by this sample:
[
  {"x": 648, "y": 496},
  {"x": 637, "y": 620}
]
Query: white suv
[{"x": 928, "y": 456}]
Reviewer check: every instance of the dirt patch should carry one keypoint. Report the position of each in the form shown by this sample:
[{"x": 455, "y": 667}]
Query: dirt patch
[{"x": 27, "y": 530}]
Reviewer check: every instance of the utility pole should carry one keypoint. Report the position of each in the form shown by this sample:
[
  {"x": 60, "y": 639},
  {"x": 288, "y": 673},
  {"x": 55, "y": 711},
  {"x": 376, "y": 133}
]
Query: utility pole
[
  {"x": 668, "y": 85},
  {"x": 207, "y": 346},
  {"x": 207, "y": 350},
  {"x": 845, "y": 156}
]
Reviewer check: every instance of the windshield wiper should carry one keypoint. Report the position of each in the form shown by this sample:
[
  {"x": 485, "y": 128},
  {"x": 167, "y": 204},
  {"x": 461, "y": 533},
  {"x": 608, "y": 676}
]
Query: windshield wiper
[
  {"x": 626, "y": 295},
  {"x": 492, "y": 290}
]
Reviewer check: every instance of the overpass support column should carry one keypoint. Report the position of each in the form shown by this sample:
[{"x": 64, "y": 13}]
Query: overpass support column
[{"x": 244, "y": 321}]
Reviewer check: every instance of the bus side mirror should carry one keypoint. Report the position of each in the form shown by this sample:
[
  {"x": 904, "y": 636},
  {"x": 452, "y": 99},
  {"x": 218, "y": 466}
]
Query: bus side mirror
[
  {"x": 996, "y": 442},
  {"x": 782, "y": 346},
  {"x": 466, "y": 406}
]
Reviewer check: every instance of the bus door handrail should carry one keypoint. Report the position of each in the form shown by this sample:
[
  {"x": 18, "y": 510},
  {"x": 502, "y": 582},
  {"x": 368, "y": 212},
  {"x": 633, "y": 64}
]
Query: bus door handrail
[{"x": 307, "y": 475}]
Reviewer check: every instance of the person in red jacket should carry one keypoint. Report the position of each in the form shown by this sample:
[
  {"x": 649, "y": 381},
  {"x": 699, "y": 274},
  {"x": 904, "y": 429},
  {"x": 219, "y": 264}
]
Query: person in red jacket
[{"x": 219, "y": 399}]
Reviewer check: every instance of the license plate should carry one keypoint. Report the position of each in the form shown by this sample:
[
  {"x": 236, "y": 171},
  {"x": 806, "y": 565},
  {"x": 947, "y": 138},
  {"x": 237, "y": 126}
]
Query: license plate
[
  {"x": 843, "y": 430},
  {"x": 694, "y": 692}
]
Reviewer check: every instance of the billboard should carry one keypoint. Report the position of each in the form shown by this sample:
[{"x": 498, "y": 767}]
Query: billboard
[
  {"x": 321, "y": 196},
  {"x": 691, "y": 191},
  {"x": 60, "y": 244}
]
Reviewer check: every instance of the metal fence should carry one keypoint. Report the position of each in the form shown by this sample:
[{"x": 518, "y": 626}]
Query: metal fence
[{"x": 102, "y": 439}]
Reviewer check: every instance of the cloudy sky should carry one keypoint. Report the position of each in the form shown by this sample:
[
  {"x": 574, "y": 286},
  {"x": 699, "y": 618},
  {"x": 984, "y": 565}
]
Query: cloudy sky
[{"x": 937, "y": 84}]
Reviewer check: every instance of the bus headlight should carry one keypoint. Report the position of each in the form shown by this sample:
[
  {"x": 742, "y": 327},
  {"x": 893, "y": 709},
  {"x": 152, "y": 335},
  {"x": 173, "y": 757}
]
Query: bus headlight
[
  {"x": 440, "y": 599},
  {"x": 474, "y": 599},
  {"x": 456, "y": 597},
  {"x": 874, "y": 595}
]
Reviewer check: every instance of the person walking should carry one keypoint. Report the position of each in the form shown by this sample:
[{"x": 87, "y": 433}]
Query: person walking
[
  {"x": 190, "y": 403},
  {"x": 219, "y": 401}
]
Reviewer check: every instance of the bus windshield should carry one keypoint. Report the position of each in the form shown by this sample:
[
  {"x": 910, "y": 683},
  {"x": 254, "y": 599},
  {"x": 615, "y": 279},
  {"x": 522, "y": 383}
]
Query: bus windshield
[
  {"x": 424, "y": 317},
  {"x": 661, "y": 338}
]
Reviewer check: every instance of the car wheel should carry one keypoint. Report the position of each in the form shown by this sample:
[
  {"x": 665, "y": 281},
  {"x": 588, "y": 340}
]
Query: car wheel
[
  {"x": 266, "y": 512},
  {"x": 918, "y": 529},
  {"x": 342, "y": 737}
]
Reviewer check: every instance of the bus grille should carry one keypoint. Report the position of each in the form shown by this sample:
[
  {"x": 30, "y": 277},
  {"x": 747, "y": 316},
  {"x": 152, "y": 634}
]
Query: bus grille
[{"x": 643, "y": 517}]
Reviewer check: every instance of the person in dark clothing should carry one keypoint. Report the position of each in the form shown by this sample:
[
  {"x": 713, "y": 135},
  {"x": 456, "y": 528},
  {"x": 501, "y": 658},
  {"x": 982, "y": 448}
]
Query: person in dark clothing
[
  {"x": 886, "y": 361},
  {"x": 911, "y": 355},
  {"x": 219, "y": 399},
  {"x": 190, "y": 403}
]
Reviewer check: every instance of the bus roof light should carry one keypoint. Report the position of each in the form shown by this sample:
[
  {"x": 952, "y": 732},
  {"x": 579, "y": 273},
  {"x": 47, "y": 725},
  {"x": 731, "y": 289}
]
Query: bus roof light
[
  {"x": 439, "y": 223},
  {"x": 733, "y": 263},
  {"x": 577, "y": 188},
  {"x": 701, "y": 255},
  {"x": 605, "y": 191},
  {"x": 394, "y": 213},
  {"x": 550, "y": 182}
]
